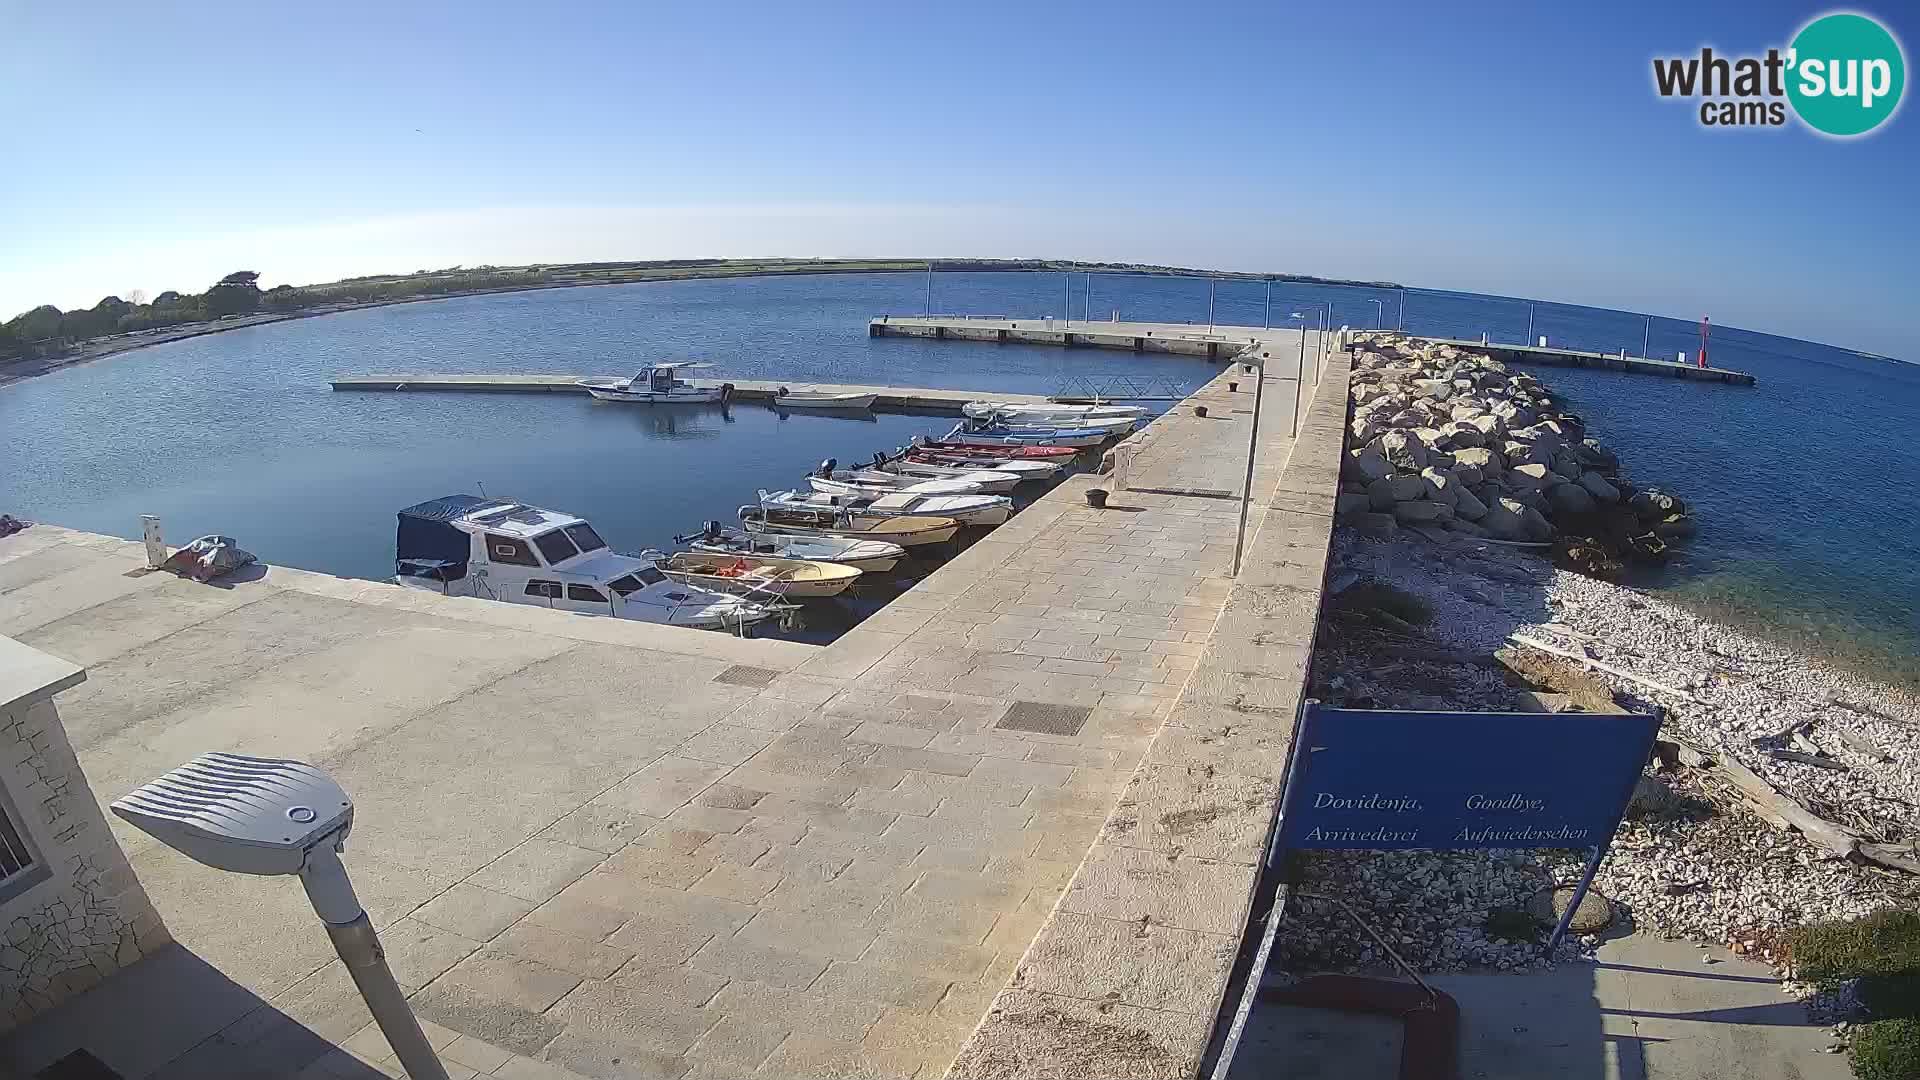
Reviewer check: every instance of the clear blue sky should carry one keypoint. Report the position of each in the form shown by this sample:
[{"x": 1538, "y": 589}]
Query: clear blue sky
[{"x": 1513, "y": 148}]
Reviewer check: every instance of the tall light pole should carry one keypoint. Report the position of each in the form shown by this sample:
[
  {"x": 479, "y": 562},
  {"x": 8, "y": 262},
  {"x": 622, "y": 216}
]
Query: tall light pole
[
  {"x": 1253, "y": 445},
  {"x": 1066, "y": 298},
  {"x": 1266, "y": 317},
  {"x": 1646, "y": 336},
  {"x": 1086, "y": 311},
  {"x": 1379, "y": 312},
  {"x": 929, "y": 290},
  {"x": 1402, "y": 324},
  {"x": 1209, "y": 305}
]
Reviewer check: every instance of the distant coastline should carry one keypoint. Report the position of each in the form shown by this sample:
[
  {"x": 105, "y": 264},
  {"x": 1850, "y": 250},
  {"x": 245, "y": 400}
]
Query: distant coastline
[{"x": 444, "y": 284}]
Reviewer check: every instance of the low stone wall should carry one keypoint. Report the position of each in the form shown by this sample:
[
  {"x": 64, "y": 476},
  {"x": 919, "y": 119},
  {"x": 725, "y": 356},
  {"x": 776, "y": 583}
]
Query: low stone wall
[
  {"x": 1127, "y": 977},
  {"x": 78, "y": 914}
]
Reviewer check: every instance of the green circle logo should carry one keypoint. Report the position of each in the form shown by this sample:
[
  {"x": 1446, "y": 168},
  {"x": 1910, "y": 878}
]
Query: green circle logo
[{"x": 1846, "y": 74}]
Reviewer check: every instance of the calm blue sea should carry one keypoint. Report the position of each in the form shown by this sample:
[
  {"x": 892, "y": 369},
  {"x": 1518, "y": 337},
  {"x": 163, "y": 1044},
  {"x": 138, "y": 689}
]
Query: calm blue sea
[{"x": 1807, "y": 486}]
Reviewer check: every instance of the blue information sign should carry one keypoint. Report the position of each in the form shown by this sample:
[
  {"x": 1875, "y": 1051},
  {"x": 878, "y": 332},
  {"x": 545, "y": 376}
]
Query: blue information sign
[{"x": 1366, "y": 779}]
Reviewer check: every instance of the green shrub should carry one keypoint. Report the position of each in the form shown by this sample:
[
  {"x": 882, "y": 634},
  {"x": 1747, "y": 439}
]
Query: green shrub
[
  {"x": 1890, "y": 996},
  {"x": 1887, "y": 1050},
  {"x": 1883, "y": 943}
]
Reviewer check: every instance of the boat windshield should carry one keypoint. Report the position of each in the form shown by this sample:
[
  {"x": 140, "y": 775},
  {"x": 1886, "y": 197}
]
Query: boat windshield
[
  {"x": 583, "y": 535},
  {"x": 626, "y": 584},
  {"x": 555, "y": 546}
]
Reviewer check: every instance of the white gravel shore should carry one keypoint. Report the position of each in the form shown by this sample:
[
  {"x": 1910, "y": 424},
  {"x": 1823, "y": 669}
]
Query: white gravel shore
[{"x": 1710, "y": 870}]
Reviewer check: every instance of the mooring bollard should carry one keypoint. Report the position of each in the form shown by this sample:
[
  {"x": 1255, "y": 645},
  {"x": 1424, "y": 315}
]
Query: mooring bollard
[
  {"x": 156, "y": 547},
  {"x": 1200, "y": 410},
  {"x": 1233, "y": 388}
]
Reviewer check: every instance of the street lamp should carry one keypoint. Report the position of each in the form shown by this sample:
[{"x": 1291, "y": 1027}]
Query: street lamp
[
  {"x": 1253, "y": 444},
  {"x": 252, "y": 815},
  {"x": 1379, "y": 313}
]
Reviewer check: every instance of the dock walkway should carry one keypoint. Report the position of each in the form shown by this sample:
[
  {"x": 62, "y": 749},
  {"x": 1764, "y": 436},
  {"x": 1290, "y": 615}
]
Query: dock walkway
[
  {"x": 586, "y": 840},
  {"x": 886, "y": 398},
  {"x": 1222, "y": 341}
]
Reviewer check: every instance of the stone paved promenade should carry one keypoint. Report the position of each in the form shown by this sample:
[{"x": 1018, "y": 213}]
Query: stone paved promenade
[{"x": 610, "y": 850}]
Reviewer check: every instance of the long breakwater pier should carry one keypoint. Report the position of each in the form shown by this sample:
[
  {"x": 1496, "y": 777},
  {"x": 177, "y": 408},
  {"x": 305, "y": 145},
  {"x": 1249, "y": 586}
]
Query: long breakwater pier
[
  {"x": 1221, "y": 342},
  {"x": 886, "y": 398}
]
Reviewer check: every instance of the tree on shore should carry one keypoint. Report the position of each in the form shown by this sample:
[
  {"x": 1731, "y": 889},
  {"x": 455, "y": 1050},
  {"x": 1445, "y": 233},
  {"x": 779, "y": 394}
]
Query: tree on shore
[{"x": 236, "y": 294}]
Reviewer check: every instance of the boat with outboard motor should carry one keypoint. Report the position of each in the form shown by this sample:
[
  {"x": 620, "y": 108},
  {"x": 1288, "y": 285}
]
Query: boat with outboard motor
[
  {"x": 1048, "y": 412},
  {"x": 871, "y": 556},
  {"x": 497, "y": 549},
  {"x": 916, "y": 462},
  {"x": 829, "y": 522},
  {"x": 961, "y": 482},
  {"x": 1009, "y": 451},
  {"x": 658, "y": 384},
  {"x": 977, "y": 434},
  {"x": 965, "y": 509},
  {"x": 756, "y": 575}
]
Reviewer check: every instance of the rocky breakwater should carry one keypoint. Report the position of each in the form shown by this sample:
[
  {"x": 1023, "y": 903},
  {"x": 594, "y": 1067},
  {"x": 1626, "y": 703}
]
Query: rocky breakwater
[{"x": 1442, "y": 437}]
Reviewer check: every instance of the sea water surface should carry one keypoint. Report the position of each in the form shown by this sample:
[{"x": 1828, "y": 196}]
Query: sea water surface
[{"x": 1807, "y": 486}]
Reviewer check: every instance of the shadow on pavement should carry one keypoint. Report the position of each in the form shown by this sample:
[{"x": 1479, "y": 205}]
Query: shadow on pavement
[{"x": 172, "y": 1016}]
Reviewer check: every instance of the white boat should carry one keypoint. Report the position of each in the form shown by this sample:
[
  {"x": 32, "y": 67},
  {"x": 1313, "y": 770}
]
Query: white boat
[
  {"x": 960, "y": 482},
  {"x": 495, "y": 549},
  {"x": 1003, "y": 435},
  {"x": 757, "y": 575},
  {"x": 1048, "y": 412},
  {"x": 818, "y": 399},
  {"x": 657, "y": 384},
  {"x": 965, "y": 509},
  {"x": 837, "y": 522},
  {"x": 871, "y": 556},
  {"x": 929, "y": 463}
]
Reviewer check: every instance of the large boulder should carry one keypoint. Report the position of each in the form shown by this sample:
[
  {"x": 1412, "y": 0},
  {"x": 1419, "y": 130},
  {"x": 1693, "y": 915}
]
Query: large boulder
[
  {"x": 1536, "y": 525},
  {"x": 1404, "y": 450},
  {"x": 1439, "y": 485},
  {"x": 1367, "y": 427},
  {"x": 1467, "y": 528},
  {"x": 1465, "y": 504},
  {"x": 1505, "y": 519},
  {"x": 1599, "y": 487},
  {"x": 1513, "y": 415},
  {"x": 1432, "y": 389},
  {"x": 1346, "y": 503},
  {"x": 1486, "y": 459},
  {"x": 1570, "y": 499},
  {"x": 1468, "y": 475},
  {"x": 1653, "y": 504},
  {"x": 1369, "y": 464},
  {"x": 1466, "y": 410},
  {"x": 1532, "y": 476},
  {"x": 1423, "y": 510},
  {"x": 1567, "y": 463},
  {"x": 1462, "y": 435},
  {"x": 1385, "y": 492}
]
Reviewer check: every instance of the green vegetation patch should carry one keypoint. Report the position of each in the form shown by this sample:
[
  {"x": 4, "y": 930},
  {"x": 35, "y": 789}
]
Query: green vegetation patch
[
  {"x": 1883, "y": 943},
  {"x": 1887, "y": 1050}
]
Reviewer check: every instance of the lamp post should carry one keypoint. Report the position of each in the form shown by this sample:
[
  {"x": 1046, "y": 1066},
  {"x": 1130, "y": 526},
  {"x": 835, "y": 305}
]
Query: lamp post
[
  {"x": 1209, "y": 305},
  {"x": 1253, "y": 445},
  {"x": 929, "y": 312},
  {"x": 1266, "y": 316},
  {"x": 1379, "y": 312}
]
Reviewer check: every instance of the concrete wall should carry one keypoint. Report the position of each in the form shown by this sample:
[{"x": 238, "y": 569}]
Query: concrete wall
[{"x": 79, "y": 915}]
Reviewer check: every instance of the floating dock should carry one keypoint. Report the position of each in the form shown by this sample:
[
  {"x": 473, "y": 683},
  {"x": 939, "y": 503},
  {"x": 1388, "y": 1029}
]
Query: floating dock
[
  {"x": 886, "y": 398},
  {"x": 1221, "y": 342}
]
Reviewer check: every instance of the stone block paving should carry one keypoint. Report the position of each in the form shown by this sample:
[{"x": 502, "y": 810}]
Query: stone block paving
[{"x": 837, "y": 878}]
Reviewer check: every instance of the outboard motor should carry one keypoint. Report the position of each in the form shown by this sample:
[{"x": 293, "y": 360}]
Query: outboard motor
[
  {"x": 879, "y": 458},
  {"x": 710, "y": 530},
  {"x": 726, "y": 392},
  {"x": 826, "y": 468}
]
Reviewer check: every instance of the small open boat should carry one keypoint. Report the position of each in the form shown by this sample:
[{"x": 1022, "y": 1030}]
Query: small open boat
[
  {"x": 872, "y": 556},
  {"x": 836, "y": 522},
  {"x": 817, "y": 399},
  {"x": 936, "y": 464},
  {"x": 992, "y": 434},
  {"x": 657, "y": 384},
  {"x": 1011, "y": 451},
  {"x": 965, "y": 509},
  {"x": 1048, "y": 412},
  {"x": 959, "y": 482},
  {"x": 792, "y": 579}
]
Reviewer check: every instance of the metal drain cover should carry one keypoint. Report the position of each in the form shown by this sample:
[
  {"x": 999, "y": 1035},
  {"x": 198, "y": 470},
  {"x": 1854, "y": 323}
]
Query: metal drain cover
[
  {"x": 1045, "y": 718},
  {"x": 742, "y": 675}
]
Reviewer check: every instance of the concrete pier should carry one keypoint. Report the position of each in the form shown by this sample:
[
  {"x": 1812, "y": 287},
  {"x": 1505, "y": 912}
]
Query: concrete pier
[
  {"x": 1010, "y": 826},
  {"x": 1222, "y": 341},
  {"x": 886, "y": 398}
]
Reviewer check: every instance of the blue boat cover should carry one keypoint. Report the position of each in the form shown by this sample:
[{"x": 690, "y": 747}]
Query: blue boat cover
[{"x": 425, "y": 536}]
